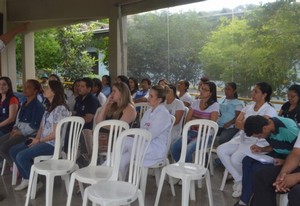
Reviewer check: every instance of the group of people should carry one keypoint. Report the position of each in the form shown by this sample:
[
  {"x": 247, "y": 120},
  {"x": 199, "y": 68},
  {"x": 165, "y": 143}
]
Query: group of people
[{"x": 27, "y": 127}]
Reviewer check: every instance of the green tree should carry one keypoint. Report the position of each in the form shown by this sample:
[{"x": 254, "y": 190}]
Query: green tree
[
  {"x": 76, "y": 61},
  {"x": 165, "y": 45},
  {"x": 262, "y": 46}
]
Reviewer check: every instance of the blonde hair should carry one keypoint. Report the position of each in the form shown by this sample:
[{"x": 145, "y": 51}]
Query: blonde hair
[{"x": 116, "y": 111}]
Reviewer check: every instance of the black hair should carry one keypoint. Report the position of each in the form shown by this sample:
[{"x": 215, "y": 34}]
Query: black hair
[
  {"x": 10, "y": 91},
  {"x": 88, "y": 82},
  {"x": 233, "y": 86},
  {"x": 296, "y": 89},
  {"x": 97, "y": 83},
  {"x": 265, "y": 88},
  {"x": 254, "y": 124},
  {"x": 74, "y": 83},
  {"x": 36, "y": 84},
  {"x": 107, "y": 77},
  {"x": 59, "y": 95},
  {"x": 124, "y": 79},
  {"x": 173, "y": 89},
  {"x": 213, "y": 90},
  {"x": 147, "y": 80},
  {"x": 186, "y": 84},
  {"x": 55, "y": 76},
  {"x": 136, "y": 85}
]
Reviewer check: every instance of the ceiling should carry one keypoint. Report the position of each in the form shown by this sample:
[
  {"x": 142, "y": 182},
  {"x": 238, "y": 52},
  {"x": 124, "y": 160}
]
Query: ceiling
[{"x": 52, "y": 13}]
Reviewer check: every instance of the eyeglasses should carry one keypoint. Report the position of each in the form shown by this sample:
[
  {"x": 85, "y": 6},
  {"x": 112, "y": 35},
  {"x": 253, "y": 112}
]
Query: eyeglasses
[{"x": 204, "y": 90}]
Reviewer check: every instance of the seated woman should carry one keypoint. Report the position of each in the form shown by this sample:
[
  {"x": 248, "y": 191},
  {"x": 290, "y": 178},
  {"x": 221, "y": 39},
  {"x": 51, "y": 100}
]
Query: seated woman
[
  {"x": 106, "y": 82},
  {"x": 27, "y": 121},
  {"x": 133, "y": 86},
  {"x": 119, "y": 105},
  {"x": 184, "y": 96},
  {"x": 175, "y": 108},
  {"x": 206, "y": 107},
  {"x": 291, "y": 109},
  {"x": 9, "y": 105},
  {"x": 44, "y": 141},
  {"x": 230, "y": 108},
  {"x": 231, "y": 153},
  {"x": 158, "y": 122}
]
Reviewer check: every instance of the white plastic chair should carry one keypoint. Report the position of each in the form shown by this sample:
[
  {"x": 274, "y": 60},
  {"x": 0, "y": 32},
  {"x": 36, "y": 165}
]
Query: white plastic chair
[
  {"x": 189, "y": 172},
  {"x": 186, "y": 111},
  {"x": 55, "y": 166},
  {"x": 114, "y": 192},
  {"x": 143, "y": 107},
  {"x": 93, "y": 173},
  {"x": 225, "y": 175},
  {"x": 157, "y": 167}
]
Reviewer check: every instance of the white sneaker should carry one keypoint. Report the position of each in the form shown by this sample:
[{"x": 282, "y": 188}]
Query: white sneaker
[
  {"x": 23, "y": 185},
  {"x": 237, "y": 189}
]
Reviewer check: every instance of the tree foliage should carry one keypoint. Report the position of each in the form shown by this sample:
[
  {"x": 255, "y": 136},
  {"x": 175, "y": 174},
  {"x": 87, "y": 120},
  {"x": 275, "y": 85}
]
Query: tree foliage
[
  {"x": 165, "y": 45},
  {"x": 262, "y": 46},
  {"x": 76, "y": 61}
]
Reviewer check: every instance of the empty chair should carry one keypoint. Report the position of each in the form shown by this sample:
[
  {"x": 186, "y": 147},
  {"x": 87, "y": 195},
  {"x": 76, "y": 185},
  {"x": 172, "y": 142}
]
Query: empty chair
[
  {"x": 189, "y": 172},
  {"x": 114, "y": 192},
  {"x": 55, "y": 166},
  {"x": 93, "y": 173}
]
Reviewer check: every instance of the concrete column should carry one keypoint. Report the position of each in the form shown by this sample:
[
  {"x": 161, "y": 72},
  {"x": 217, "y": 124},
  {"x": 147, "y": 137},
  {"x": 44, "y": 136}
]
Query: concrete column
[
  {"x": 28, "y": 57},
  {"x": 9, "y": 66},
  {"x": 114, "y": 44},
  {"x": 117, "y": 43}
]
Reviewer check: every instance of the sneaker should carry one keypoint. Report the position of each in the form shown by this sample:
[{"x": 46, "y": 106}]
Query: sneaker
[
  {"x": 237, "y": 189},
  {"x": 23, "y": 185},
  {"x": 238, "y": 203}
]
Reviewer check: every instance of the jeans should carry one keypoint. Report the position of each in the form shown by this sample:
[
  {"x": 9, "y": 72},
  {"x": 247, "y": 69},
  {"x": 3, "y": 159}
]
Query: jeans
[
  {"x": 191, "y": 146},
  {"x": 23, "y": 156},
  {"x": 250, "y": 167},
  {"x": 176, "y": 150}
]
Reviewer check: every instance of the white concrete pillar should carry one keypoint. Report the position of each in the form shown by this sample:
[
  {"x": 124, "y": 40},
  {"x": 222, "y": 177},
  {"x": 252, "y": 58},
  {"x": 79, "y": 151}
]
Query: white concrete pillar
[
  {"x": 117, "y": 43},
  {"x": 28, "y": 64},
  {"x": 114, "y": 44}
]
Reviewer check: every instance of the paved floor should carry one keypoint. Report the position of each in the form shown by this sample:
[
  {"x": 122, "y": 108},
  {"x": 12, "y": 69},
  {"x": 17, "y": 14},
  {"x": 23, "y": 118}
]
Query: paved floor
[{"x": 221, "y": 198}]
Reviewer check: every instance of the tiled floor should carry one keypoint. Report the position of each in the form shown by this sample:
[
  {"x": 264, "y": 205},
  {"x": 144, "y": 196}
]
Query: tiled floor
[{"x": 59, "y": 198}]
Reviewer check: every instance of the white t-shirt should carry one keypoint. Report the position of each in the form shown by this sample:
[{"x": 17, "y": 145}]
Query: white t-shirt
[
  {"x": 297, "y": 143},
  {"x": 265, "y": 109},
  {"x": 2, "y": 45},
  {"x": 101, "y": 98},
  {"x": 176, "y": 105},
  {"x": 186, "y": 98}
]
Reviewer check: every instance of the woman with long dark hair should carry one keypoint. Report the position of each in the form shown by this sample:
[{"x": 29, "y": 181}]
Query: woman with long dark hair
[
  {"x": 133, "y": 86},
  {"x": 291, "y": 109},
  {"x": 9, "y": 105},
  {"x": 176, "y": 108},
  {"x": 27, "y": 121},
  {"x": 232, "y": 153},
  {"x": 206, "y": 107},
  {"x": 106, "y": 85},
  {"x": 44, "y": 141}
]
